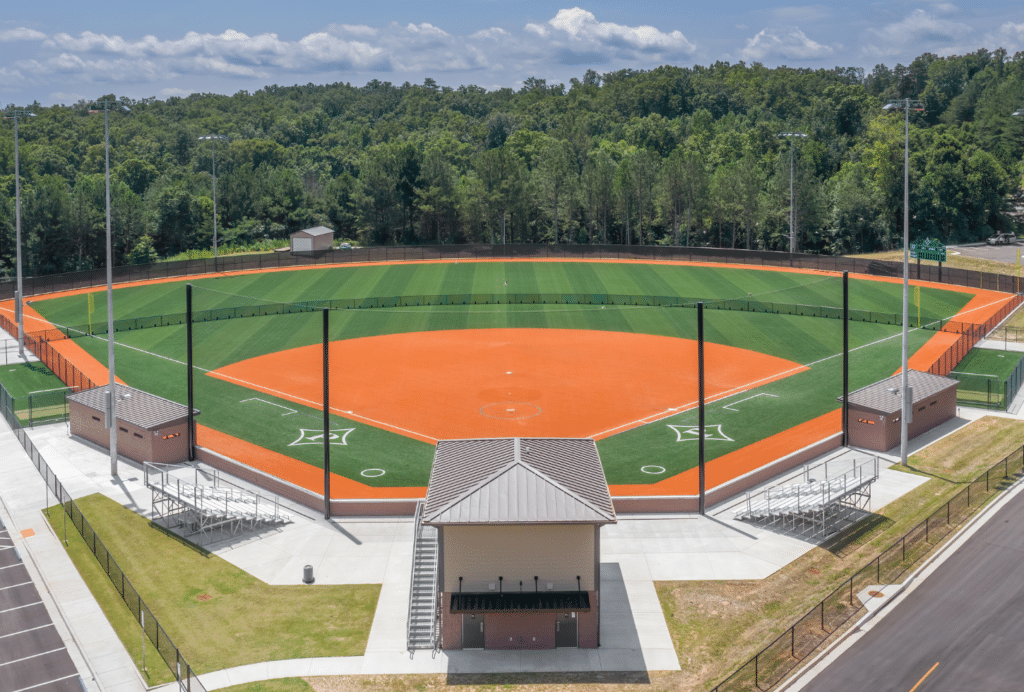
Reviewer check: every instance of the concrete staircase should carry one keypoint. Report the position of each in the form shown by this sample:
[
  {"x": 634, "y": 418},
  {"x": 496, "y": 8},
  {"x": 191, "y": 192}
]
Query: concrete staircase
[{"x": 423, "y": 622}]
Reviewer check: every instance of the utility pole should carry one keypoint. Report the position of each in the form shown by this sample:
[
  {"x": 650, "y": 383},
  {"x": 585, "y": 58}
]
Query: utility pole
[
  {"x": 792, "y": 199},
  {"x": 19, "y": 311}
]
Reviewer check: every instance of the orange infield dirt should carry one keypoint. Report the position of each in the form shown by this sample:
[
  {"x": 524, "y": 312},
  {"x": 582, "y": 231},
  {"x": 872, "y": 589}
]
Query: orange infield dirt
[{"x": 473, "y": 383}]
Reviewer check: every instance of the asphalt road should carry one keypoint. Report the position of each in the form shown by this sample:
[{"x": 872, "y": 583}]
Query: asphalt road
[
  {"x": 997, "y": 253},
  {"x": 32, "y": 655},
  {"x": 967, "y": 617}
]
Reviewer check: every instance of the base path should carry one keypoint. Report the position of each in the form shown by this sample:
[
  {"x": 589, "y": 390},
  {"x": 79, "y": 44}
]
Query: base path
[{"x": 473, "y": 383}]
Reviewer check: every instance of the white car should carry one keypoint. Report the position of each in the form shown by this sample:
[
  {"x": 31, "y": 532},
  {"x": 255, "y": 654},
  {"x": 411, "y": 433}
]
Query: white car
[{"x": 1002, "y": 239}]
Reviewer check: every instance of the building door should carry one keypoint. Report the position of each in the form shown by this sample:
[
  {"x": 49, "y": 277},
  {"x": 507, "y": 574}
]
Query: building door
[
  {"x": 566, "y": 631},
  {"x": 472, "y": 631}
]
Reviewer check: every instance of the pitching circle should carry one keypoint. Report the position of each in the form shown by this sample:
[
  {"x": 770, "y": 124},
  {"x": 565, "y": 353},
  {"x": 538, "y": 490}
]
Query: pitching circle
[{"x": 510, "y": 410}]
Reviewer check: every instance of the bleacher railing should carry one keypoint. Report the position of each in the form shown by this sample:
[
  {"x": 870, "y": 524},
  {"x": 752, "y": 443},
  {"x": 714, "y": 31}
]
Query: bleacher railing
[
  {"x": 774, "y": 663},
  {"x": 186, "y": 678}
]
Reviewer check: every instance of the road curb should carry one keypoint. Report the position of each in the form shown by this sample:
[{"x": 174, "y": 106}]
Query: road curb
[{"x": 820, "y": 662}]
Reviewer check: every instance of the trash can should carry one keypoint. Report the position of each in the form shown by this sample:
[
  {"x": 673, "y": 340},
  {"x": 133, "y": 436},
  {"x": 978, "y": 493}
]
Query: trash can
[{"x": 307, "y": 574}]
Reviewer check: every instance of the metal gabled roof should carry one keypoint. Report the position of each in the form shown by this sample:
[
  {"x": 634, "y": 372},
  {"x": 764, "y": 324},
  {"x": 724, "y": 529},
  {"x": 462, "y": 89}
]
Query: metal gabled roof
[
  {"x": 135, "y": 406},
  {"x": 878, "y": 397},
  {"x": 517, "y": 481},
  {"x": 316, "y": 231}
]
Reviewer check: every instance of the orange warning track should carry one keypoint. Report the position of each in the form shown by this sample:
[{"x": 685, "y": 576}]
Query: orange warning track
[{"x": 482, "y": 383}]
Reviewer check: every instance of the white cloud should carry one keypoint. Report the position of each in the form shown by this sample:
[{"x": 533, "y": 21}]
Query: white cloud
[
  {"x": 21, "y": 34},
  {"x": 920, "y": 31},
  {"x": 785, "y": 44},
  {"x": 66, "y": 62},
  {"x": 582, "y": 26},
  {"x": 1009, "y": 36}
]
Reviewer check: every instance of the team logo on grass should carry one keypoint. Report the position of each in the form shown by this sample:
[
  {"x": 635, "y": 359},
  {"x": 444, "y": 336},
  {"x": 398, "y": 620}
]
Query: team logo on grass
[
  {"x": 685, "y": 433},
  {"x": 316, "y": 437}
]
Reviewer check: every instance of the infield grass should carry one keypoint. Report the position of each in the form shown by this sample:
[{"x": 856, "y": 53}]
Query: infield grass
[
  {"x": 244, "y": 620},
  {"x": 153, "y": 359}
]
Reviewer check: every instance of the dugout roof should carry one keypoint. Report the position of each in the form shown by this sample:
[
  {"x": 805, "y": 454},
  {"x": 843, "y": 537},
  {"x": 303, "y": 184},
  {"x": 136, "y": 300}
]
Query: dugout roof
[
  {"x": 878, "y": 397},
  {"x": 141, "y": 409},
  {"x": 518, "y": 481}
]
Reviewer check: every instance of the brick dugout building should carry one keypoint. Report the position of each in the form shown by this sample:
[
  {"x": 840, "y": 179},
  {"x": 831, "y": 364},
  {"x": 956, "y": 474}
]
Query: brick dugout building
[
  {"x": 875, "y": 410},
  {"x": 519, "y": 555},
  {"x": 149, "y": 428}
]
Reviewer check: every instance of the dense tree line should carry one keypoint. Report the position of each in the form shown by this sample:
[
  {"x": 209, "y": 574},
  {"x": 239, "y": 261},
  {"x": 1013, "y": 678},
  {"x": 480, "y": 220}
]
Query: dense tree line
[{"x": 668, "y": 156}]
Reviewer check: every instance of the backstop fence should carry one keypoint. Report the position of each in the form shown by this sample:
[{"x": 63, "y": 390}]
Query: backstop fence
[
  {"x": 187, "y": 680},
  {"x": 775, "y": 662},
  {"x": 38, "y": 285}
]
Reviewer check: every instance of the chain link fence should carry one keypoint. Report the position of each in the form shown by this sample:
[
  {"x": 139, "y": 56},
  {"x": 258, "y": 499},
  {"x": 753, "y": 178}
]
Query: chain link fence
[
  {"x": 233, "y": 263},
  {"x": 187, "y": 680},
  {"x": 775, "y": 662}
]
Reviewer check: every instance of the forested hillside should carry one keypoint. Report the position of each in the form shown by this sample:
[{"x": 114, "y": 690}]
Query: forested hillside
[{"x": 670, "y": 156}]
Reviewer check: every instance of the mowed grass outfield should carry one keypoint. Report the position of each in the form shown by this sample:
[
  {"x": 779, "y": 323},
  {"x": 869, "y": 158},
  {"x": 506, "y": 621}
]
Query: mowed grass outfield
[{"x": 152, "y": 359}]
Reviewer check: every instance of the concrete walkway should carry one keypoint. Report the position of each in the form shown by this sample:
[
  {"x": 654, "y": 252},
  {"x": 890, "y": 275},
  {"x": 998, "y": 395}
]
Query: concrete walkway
[
  {"x": 636, "y": 552},
  {"x": 95, "y": 648}
]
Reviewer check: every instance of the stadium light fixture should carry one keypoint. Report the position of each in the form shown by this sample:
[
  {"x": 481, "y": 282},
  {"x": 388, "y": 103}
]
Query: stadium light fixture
[
  {"x": 111, "y": 407},
  {"x": 19, "y": 312},
  {"x": 792, "y": 207},
  {"x": 214, "y": 139},
  {"x": 906, "y": 105}
]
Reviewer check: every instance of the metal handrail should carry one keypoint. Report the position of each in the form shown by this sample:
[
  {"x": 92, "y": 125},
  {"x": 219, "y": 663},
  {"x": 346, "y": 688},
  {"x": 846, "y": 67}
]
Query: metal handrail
[{"x": 412, "y": 572}]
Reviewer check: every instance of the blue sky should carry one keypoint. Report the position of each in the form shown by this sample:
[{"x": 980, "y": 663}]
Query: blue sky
[{"x": 60, "y": 52}]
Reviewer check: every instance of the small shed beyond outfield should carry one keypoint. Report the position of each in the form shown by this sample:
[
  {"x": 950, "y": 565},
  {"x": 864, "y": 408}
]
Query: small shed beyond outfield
[
  {"x": 519, "y": 549},
  {"x": 149, "y": 428},
  {"x": 875, "y": 410},
  {"x": 312, "y": 240}
]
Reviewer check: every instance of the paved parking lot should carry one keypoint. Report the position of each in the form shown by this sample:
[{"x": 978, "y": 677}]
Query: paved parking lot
[
  {"x": 32, "y": 653},
  {"x": 996, "y": 253}
]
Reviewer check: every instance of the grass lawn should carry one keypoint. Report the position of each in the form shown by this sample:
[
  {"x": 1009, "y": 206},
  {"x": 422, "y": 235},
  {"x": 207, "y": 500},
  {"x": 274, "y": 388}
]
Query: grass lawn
[
  {"x": 24, "y": 379},
  {"x": 983, "y": 361},
  {"x": 279, "y": 685},
  {"x": 243, "y": 621}
]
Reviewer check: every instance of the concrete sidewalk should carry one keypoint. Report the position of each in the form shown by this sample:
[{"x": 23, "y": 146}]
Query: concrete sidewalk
[
  {"x": 636, "y": 552},
  {"x": 94, "y": 647}
]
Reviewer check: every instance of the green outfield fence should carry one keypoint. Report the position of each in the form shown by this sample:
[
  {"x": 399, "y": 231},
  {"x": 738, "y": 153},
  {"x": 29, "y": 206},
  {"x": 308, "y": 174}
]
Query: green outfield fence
[
  {"x": 37, "y": 285},
  {"x": 773, "y": 664},
  {"x": 186, "y": 678}
]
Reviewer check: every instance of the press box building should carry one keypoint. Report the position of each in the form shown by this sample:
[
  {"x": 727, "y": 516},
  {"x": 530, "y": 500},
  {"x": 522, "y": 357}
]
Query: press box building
[{"x": 519, "y": 523}]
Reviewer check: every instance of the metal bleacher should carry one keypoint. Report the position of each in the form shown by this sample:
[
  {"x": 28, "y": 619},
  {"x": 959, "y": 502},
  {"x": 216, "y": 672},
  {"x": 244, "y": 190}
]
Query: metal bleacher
[
  {"x": 202, "y": 509},
  {"x": 821, "y": 496}
]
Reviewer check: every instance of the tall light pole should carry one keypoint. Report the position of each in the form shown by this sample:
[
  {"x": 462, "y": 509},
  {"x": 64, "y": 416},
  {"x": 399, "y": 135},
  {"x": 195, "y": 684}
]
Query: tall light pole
[
  {"x": 905, "y": 391},
  {"x": 792, "y": 200},
  {"x": 111, "y": 404},
  {"x": 19, "y": 297},
  {"x": 214, "y": 139}
]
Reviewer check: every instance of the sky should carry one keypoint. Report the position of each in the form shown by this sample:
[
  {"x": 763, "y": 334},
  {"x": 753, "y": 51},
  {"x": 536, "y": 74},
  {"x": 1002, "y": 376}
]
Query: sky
[{"x": 55, "y": 52}]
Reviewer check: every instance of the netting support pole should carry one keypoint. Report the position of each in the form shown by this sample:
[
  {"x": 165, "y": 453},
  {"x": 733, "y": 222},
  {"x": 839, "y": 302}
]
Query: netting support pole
[
  {"x": 846, "y": 359},
  {"x": 327, "y": 416},
  {"x": 700, "y": 402},
  {"x": 188, "y": 348}
]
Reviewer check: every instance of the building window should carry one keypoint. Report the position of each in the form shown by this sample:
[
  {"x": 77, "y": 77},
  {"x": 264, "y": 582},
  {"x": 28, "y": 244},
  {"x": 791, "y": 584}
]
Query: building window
[
  {"x": 172, "y": 435},
  {"x": 137, "y": 435},
  {"x": 95, "y": 418},
  {"x": 865, "y": 420},
  {"x": 122, "y": 429}
]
